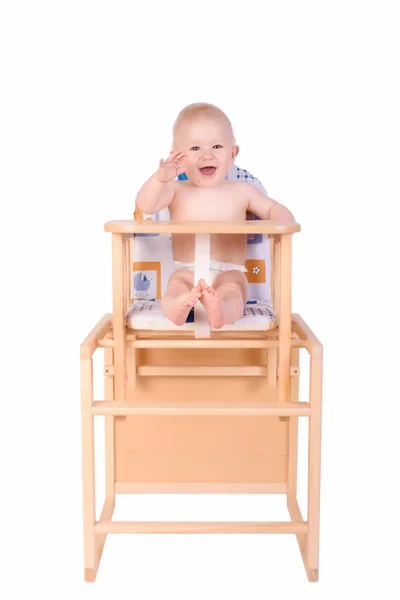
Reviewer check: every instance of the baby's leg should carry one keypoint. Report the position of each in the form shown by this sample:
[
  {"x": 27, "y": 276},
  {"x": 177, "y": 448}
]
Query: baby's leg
[
  {"x": 180, "y": 296},
  {"x": 224, "y": 302}
]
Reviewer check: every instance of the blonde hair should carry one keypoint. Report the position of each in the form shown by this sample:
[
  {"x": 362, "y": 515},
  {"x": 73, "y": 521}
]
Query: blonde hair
[{"x": 197, "y": 109}]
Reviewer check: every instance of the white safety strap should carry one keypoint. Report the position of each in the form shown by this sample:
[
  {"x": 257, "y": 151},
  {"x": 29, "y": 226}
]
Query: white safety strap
[{"x": 201, "y": 271}]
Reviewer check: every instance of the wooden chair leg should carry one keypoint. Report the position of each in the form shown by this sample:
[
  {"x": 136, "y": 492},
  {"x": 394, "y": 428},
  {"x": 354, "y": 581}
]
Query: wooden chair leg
[
  {"x": 293, "y": 430},
  {"x": 88, "y": 484},
  {"x": 314, "y": 464},
  {"x": 285, "y": 328},
  {"x": 118, "y": 269},
  {"x": 109, "y": 429}
]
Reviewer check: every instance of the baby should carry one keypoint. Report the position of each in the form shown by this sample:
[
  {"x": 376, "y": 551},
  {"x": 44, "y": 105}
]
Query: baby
[{"x": 204, "y": 148}]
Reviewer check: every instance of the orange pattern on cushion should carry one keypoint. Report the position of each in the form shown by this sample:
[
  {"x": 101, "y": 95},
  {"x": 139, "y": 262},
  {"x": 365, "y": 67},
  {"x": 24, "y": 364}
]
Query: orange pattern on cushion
[
  {"x": 150, "y": 266},
  {"x": 256, "y": 270}
]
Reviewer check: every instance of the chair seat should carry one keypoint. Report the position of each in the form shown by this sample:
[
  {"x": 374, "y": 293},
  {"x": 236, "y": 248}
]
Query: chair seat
[{"x": 147, "y": 314}]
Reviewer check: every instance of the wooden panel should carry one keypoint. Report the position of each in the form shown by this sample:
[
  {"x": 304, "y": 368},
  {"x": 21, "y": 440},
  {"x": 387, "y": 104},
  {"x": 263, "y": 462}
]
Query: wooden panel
[
  {"x": 201, "y": 449},
  {"x": 202, "y": 357}
]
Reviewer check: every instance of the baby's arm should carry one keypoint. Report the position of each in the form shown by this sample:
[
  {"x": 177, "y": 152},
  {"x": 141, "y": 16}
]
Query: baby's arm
[
  {"x": 265, "y": 208},
  {"x": 159, "y": 190},
  {"x": 155, "y": 195}
]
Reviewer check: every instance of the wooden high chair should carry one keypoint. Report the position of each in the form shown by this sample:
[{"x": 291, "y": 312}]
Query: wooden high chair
[{"x": 164, "y": 432}]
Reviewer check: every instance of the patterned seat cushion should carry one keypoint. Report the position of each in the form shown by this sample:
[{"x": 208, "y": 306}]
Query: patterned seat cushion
[{"x": 147, "y": 314}]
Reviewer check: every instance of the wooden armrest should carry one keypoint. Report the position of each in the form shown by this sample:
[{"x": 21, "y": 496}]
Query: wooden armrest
[
  {"x": 247, "y": 227},
  {"x": 89, "y": 344},
  {"x": 314, "y": 346}
]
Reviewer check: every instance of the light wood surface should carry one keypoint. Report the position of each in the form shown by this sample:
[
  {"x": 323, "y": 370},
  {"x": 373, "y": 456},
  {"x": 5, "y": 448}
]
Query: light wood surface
[
  {"x": 201, "y": 416},
  {"x": 206, "y": 407},
  {"x": 88, "y": 468},
  {"x": 128, "y": 254},
  {"x": 209, "y": 371},
  {"x": 193, "y": 344},
  {"x": 211, "y": 343},
  {"x": 200, "y": 527},
  {"x": 295, "y": 515},
  {"x": 200, "y": 488},
  {"x": 118, "y": 274},
  {"x": 132, "y": 364},
  {"x": 285, "y": 317},
  {"x": 90, "y": 343},
  {"x": 313, "y": 345},
  {"x": 314, "y": 462},
  {"x": 293, "y": 429},
  {"x": 109, "y": 429},
  {"x": 150, "y": 226}
]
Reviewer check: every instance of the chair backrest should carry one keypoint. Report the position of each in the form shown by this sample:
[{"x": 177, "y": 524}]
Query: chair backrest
[{"x": 153, "y": 262}]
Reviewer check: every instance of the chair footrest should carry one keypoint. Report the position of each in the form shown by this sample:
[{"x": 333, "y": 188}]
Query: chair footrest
[
  {"x": 206, "y": 407},
  {"x": 200, "y": 527}
]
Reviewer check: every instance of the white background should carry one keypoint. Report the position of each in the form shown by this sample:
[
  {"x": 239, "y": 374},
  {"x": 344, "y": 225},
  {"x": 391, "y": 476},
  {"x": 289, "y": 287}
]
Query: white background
[{"x": 89, "y": 92}]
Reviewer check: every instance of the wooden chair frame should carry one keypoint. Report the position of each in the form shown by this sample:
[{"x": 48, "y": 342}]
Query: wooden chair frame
[{"x": 137, "y": 386}]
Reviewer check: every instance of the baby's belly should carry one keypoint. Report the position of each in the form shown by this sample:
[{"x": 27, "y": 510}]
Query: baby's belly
[{"x": 226, "y": 248}]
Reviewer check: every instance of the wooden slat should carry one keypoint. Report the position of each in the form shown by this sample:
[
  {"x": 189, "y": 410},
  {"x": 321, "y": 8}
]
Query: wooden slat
[
  {"x": 276, "y": 278},
  {"x": 227, "y": 227},
  {"x": 257, "y": 334},
  {"x": 285, "y": 317},
  {"x": 127, "y": 272},
  {"x": 131, "y": 362},
  {"x": 293, "y": 430},
  {"x": 206, "y": 344},
  {"x": 206, "y": 407},
  {"x": 212, "y": 343},
  {"x": 119, "y": 317},
  {"x": 109, "y": 429},
  {"x": 126, "y": 487},
  {"x": 200, "y": 527},
  {"x": 182, "y": 371},
  {"x": 272, "y": 364}
]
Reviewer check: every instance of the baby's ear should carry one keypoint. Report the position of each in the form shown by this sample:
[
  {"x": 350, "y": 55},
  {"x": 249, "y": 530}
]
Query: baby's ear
[{"x": 235, "y": 151}]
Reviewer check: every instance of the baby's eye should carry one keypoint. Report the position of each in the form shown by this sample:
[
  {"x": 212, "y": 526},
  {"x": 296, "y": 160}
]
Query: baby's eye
[
  {"x": 217, "y": 146},
  {"x": 195, "y": 148}
]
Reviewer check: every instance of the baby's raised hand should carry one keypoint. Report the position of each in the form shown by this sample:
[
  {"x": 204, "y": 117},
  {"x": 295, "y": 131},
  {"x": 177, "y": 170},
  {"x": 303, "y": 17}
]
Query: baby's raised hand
[{"x": 172, "y": 167}]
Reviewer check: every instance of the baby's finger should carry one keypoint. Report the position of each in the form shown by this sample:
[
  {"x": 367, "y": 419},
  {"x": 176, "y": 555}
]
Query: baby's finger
[
  {"x": 172, "y": 156},
  {"x": 180, "y": 170}
]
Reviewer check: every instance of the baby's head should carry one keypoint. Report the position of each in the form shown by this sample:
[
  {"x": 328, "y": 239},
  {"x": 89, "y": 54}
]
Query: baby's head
[{"x": 205, "y": 134}]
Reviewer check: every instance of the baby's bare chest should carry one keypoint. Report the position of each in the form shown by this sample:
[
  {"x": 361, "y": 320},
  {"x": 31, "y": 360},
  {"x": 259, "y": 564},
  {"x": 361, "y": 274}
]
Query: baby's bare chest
[{"x": 209, "y": 204}]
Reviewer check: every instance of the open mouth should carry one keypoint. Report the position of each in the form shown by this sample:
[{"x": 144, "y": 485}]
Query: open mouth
[{"x": 208, "y": 170}]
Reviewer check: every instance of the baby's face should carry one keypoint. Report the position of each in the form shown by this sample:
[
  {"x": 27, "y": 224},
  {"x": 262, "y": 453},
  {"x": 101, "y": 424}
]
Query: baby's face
[{"x": 210, "y": 150}]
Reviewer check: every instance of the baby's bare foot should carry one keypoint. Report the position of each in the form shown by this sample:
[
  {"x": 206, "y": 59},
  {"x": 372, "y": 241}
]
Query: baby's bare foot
[
  {"x": 213, "y": 305},
  {"x": 182, "y": 305}
]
